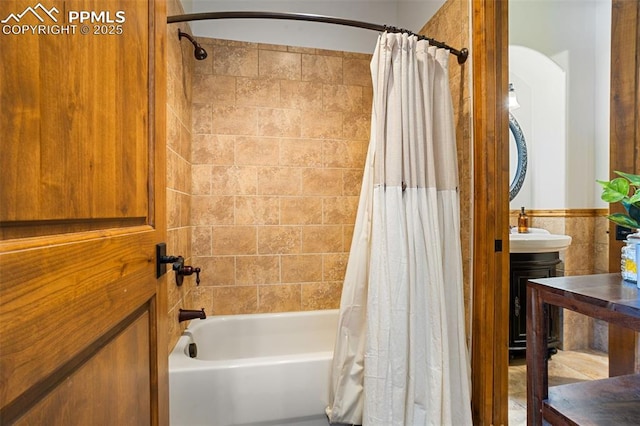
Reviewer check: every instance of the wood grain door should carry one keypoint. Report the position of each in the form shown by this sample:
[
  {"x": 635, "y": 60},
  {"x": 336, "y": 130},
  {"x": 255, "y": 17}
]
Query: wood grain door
[{"x": 82, "y": 329}]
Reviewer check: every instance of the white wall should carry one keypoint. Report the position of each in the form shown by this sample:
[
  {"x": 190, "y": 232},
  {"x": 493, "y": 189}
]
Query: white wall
[
  {"x": 187, "y": 5},
  {"x": 414, "y": 14},
  {"x": 575, "y": 34},
  {"x": 401, "y": 13},
  {"x": 602, "y": 94},
  {"x": 540, "y": 86}
]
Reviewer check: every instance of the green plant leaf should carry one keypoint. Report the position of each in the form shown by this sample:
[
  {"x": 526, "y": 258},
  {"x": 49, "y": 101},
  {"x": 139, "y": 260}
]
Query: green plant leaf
[
  {"x": 635, "y": 198},
  {"x": 624, "y": 220},
  {"x": 615, "y": 190},
  {"x": 634, "y": 179}
]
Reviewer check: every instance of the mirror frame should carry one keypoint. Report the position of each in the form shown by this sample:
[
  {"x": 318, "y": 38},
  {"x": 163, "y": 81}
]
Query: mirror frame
[{"x": 521, "y": 168}]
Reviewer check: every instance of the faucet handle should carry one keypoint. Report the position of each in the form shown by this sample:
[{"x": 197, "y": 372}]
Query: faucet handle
[
  {"x": 189, "y": 270},
  {"x": 182, "y": 270}
]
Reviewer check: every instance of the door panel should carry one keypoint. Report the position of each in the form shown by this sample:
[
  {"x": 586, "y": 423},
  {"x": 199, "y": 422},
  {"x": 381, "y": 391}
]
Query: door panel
[
  {"x": 78, "y": 106},
  {"x": 69, "y": 403},
  {"x": 57, "y": 300},
  {"x": 82, "y": 327}
]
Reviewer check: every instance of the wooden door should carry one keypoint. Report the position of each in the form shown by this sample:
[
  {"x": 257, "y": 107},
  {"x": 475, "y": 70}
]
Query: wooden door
[{"x": 82, "y": 329}]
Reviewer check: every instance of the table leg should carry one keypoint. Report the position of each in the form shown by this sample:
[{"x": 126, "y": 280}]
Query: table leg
[
  {"x": 622, "y": 350},
  {"x": 537, "y": 374}
]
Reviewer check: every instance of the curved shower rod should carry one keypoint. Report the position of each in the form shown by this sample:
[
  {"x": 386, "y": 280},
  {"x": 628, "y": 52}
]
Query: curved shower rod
[{"x": 462, "y": 54}]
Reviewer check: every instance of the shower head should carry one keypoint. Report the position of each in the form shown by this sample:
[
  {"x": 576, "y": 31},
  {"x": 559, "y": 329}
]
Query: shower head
[{"x": 198, "y": 52}]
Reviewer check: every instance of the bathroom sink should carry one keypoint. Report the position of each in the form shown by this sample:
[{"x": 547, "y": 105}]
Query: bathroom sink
[{"x": 537, "y": 240}]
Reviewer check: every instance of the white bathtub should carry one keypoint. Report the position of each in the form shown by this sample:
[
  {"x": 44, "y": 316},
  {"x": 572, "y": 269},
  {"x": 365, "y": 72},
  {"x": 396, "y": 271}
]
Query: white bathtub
[{"x": 260, "y": 369}]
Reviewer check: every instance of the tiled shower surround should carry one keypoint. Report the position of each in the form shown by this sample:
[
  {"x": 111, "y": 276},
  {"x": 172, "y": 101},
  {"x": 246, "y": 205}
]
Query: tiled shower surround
[
  {"x": 279, "y": 141},
  {"x": 266, "y": 147}
]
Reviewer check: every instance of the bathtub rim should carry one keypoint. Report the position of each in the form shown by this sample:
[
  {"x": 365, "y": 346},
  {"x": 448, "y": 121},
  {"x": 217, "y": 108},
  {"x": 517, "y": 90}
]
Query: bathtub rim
[{"x": 179, "y": 360}]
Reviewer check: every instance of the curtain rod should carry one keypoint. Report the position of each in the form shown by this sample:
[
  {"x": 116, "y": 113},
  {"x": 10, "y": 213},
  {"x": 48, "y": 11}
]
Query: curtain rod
[{"x": 462, "y": 54}]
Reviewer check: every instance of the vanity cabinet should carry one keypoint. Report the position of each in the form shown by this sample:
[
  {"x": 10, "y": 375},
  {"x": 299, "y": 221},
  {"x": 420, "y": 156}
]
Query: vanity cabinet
[{"x": 524, "y": 267}]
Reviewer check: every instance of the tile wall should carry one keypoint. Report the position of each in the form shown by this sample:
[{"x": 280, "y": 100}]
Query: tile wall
[
  {"x": 279, "y": 141},
  {"x": 452, "y": 24},
  {"x": 180, "y": 65}
]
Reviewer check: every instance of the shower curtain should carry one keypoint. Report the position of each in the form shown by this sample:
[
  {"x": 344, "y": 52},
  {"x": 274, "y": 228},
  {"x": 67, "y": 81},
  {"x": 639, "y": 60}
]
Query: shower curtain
[{"x": 400, "y": 356}]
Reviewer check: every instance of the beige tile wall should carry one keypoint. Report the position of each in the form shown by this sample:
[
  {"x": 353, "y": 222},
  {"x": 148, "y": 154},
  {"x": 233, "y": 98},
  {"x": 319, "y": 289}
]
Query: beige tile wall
[
  {"x": 180, "y": 65},
  {"x": 452, "y": 24},
  {"x": 278, "y": 147}
]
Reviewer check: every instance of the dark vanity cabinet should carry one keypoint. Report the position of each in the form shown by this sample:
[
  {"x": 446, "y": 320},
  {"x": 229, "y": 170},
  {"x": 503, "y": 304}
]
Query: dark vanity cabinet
[{"x": 526, "y": 266}]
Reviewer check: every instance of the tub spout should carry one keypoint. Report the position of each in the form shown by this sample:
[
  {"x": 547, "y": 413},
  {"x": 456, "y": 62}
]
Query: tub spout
[{"x": 189, "y": 314}]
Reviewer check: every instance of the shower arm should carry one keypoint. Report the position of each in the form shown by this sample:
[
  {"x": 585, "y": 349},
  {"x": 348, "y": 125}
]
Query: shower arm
[{"x": 462, "y": 54}]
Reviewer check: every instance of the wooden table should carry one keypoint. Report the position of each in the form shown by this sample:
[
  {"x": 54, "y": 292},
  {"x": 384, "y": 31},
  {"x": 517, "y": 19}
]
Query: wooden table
[{"x": 612, "y": 401}]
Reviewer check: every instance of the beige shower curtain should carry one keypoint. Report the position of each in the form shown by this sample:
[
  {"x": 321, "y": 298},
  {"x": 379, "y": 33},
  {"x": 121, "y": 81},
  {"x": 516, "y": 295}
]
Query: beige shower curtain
[{"x": 400, "y": 356}]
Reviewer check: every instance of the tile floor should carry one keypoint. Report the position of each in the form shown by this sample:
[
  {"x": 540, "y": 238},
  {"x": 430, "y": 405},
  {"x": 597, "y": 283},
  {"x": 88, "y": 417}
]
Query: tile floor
[{"x": 564, "y": 367}]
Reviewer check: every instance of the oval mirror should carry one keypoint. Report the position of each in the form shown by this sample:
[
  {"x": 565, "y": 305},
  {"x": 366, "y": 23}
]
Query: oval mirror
[{"x": 518, "y": 158}]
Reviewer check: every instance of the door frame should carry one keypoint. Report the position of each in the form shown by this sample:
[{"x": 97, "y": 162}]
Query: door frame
[
  {"x": 158, "y": 155},
  {"x": 489, "y": 348},
  {"x": 490, "y": 41}
]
